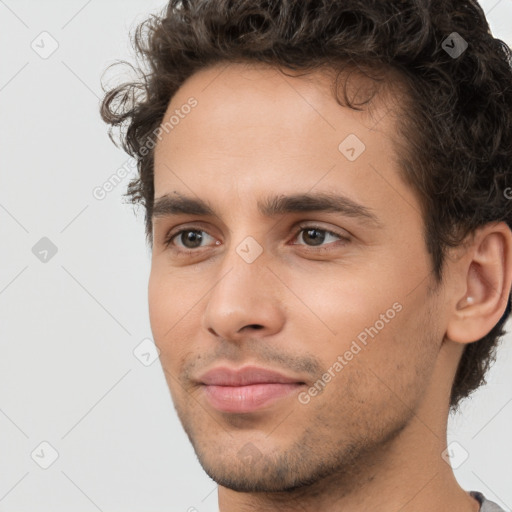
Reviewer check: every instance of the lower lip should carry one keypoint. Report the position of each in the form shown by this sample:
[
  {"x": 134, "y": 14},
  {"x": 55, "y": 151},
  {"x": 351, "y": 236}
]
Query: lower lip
[{"x": 238, "y": 399}]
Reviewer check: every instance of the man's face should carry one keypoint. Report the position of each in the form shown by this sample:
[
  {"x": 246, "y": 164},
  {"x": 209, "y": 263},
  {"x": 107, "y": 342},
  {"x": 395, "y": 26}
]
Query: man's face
[{"x": 335, "y": 301}]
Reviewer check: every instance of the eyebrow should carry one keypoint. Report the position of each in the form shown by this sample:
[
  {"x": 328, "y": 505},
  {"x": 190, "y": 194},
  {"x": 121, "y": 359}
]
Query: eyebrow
[{"x": 272, "y": 206}]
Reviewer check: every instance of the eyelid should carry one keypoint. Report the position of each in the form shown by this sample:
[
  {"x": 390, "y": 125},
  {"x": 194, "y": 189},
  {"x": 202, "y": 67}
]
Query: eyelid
[{"x": 342, "y": 233}]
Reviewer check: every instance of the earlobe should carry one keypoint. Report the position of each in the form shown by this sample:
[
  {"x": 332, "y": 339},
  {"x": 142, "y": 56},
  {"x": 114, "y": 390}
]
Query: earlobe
[{"x": 487, "y": 272}]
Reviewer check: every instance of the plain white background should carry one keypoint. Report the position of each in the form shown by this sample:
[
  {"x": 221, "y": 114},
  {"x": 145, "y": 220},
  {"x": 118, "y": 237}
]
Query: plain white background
[{"x": 69, "y": 325}]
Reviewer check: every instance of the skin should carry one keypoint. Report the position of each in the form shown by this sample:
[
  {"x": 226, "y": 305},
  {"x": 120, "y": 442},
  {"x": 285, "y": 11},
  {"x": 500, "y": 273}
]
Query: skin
[{"x": 373, "y": 438}]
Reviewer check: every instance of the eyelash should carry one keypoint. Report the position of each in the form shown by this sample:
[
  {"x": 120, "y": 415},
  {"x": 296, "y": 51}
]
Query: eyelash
[{"x": 304, "y": 227}]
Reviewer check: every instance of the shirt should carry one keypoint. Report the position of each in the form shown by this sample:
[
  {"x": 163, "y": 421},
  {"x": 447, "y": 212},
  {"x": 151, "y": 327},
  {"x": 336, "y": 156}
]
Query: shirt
[{"x": 485, "y": 504}]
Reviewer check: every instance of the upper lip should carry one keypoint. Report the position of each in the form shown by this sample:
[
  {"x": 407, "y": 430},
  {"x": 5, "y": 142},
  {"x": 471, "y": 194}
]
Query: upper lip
[{"x": 224, "y": 376}]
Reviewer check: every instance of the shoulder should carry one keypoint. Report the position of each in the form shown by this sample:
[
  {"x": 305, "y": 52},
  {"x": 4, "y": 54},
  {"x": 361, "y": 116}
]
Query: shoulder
[{"x": 486, "y": 505}]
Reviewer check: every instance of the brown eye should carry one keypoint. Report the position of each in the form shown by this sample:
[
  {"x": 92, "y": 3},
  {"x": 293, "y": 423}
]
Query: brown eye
[
  {"x": 191, "y": 239},
  {"x": 313, "y": 235},
  {"x": 187, "y": 239}
]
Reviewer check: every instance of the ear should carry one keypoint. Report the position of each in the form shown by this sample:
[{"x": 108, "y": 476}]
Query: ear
[{"x": 487, "y": 274}]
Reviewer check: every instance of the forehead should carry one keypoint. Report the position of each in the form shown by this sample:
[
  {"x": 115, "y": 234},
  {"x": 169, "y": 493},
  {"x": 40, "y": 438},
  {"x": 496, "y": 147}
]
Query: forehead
[
  {"x": 254, "y": 128},
  {"x": 246, "y": 96}
]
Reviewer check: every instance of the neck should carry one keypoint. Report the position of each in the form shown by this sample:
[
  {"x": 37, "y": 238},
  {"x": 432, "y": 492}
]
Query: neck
[{"x": 419, "y": 483}]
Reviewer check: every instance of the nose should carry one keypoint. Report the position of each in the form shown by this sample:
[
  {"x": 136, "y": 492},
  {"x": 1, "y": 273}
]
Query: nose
[{"x": 245, "y": 301}]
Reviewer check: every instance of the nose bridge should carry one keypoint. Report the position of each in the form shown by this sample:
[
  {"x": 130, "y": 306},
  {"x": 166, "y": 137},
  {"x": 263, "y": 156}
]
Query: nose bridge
[
  {"x": 243, "y": 295},
  {"x": 242, "y": 274}
]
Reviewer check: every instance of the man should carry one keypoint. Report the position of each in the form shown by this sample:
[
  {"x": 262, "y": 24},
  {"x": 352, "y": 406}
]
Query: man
[{"x": 326, "y": 187}]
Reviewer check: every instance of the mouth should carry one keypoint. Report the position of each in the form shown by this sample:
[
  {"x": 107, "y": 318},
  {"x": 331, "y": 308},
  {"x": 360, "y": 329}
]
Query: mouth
[
  {"x": 247, "y": 389},
  {"x": 250, "y": 398}
]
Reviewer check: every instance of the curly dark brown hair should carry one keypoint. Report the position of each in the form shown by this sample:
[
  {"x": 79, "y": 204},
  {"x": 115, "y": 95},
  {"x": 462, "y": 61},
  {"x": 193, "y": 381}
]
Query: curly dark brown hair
[{"x": 455, "y": 125}]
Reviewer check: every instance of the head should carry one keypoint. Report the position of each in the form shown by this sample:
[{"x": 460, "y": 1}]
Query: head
[{"x": 252, "y": 121}]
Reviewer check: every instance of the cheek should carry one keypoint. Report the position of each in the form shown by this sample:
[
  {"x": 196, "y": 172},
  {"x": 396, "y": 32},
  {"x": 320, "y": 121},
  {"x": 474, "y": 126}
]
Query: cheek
[
  {"x": 165, "y": 310},
  {"x": 158, "y": 303},
  {"x": 171, "y": 300},
  {"x": 378, "y": 378},
  {"x": 344, "y": 304},
  {"x": 174, "y": 306},
  {"x": 370, "y": 320}
]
